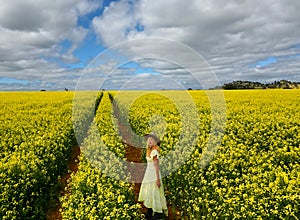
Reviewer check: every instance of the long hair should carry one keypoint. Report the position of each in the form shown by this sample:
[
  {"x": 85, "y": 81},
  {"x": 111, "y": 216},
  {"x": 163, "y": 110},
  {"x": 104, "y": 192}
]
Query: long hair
[{"x": 149, "y": 148}]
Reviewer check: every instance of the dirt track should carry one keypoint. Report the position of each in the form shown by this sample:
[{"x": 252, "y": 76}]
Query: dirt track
[{"x": 54, "y": 213}]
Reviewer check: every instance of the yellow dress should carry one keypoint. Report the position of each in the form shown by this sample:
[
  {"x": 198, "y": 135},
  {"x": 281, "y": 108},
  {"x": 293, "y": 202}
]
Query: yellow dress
[{"x": 152, "y": 195}]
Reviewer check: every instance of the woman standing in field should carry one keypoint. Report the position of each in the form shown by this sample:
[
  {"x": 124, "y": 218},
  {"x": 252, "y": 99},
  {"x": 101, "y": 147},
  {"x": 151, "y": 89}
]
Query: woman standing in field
[{"x": 152, "y": 191}]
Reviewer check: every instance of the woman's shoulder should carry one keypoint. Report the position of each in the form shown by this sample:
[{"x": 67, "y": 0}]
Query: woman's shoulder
[
  {"x": 155, "y": 149},
  {"x": 154, "y": 152}
]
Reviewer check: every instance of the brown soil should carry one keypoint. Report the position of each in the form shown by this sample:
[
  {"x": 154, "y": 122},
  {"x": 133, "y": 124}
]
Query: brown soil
[{"x": 54, "y": 213}]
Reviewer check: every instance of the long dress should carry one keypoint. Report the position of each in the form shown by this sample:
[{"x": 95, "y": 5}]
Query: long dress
[{"x": 152, "y": 195}]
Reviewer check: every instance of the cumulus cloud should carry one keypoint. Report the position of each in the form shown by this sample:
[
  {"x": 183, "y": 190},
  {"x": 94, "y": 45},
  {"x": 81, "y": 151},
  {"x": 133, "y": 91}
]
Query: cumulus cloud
[
  {"x": 230, "y": 35},
  {"x": 31, "y": 32},
  {"x": 113, "y": 24}
]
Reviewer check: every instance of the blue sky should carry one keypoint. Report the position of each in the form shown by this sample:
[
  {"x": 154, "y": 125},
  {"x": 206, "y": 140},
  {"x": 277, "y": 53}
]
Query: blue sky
[
  {"x": 268, "y": 61},
  {"x": 53, "y": 45}
]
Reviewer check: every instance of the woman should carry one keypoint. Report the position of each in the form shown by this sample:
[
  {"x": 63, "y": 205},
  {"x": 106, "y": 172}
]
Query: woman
[{"x": 152, "y": 191}]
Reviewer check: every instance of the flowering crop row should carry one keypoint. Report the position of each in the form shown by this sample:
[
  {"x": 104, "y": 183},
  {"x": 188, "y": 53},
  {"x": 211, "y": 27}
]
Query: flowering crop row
[
  {"x": 94, "y": 190},
  {"x": 36, "y": 139}
]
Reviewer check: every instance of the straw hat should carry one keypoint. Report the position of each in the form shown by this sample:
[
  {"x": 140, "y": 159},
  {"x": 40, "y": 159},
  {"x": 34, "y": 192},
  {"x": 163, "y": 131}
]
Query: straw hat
[{"x": 153, "y": 135}]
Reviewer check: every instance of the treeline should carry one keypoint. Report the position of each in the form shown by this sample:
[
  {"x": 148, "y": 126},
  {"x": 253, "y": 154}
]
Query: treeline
[{"x": 282, "y": 84}]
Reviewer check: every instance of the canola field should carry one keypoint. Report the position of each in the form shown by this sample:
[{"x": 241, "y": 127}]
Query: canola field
[{"x": 253, "y": 174}]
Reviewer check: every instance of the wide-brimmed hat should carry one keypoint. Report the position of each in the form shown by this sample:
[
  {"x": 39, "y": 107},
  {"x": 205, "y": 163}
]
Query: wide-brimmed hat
[{"x": 153, "y": 135}]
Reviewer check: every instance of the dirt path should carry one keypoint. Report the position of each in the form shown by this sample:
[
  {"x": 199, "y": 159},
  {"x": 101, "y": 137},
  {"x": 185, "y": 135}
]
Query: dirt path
[
  {"x": 54, "y": 213},
  {"x": 134, "y": 154}
]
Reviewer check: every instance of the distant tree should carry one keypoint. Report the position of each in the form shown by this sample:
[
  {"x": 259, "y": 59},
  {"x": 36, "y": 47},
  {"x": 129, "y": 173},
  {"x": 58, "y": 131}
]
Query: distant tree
[{"x": 282, "y": 84}]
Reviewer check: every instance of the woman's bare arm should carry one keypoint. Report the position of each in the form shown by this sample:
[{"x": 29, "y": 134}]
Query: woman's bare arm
[{"x": 156, "y": 165}]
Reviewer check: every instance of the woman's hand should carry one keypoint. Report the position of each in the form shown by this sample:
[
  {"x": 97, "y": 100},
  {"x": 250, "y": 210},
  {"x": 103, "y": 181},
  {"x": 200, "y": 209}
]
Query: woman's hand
[{"x": 158, "y": 183}]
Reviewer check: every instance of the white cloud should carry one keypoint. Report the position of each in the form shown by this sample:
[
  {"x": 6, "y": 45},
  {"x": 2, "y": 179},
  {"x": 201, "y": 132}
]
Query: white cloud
[
  {"x": 113, "y": 24},
  {"x": 31, "y": 32},
  {"x": 85, "y": 7},
  {"x": 231, "y": 35}
]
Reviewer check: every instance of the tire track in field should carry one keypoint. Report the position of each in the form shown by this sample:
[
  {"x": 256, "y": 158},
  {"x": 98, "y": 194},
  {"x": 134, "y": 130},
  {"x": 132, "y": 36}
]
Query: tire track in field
[
  {"x": 72, "y": 167},
  {"x": 134, "y": 154}
]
